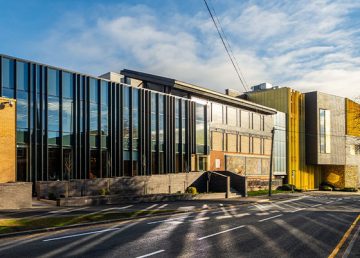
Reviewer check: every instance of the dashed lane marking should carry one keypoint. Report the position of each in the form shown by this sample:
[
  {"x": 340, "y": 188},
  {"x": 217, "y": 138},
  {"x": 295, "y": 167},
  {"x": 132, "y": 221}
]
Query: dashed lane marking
[
  {"x": 273, "y": 217},
  {"x": 221, "y": 232},
  {"x": 150, "y": 254}
]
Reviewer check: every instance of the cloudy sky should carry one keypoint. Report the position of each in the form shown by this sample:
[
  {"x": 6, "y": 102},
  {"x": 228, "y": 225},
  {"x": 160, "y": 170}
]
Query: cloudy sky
[{"x": 306, "y": 45}]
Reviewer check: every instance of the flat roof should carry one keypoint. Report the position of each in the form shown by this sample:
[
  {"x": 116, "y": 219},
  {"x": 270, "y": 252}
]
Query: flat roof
[{"x": 198, "y": 91}]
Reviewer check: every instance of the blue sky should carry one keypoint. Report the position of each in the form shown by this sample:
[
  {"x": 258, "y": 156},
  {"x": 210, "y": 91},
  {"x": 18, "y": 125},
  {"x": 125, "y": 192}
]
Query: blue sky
[{"x": 306, "y": 45}]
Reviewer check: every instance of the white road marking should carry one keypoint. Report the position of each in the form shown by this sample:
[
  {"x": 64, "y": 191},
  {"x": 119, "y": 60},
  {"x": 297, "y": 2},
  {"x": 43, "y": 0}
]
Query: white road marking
[
  {"x": 241, "y": 215},
  {"x": 262, "y": 213},
  {"x": 293, "y": 200},
  {"x": 81, "y": 234},
  {"x": 150, "y": 254},
  {"x": 118, "y": 208},
  {"x": 329, "y": 202},
  {"x": 168, "y": 220},
  {"x": 300, "y": 209},
  {"x": 216, "y": 212},
  {"x": 200, "y": 219},
  {"x": 221, "y": 232},
  {"x": 316, "y": 205},
  {"x": 163, "y": 206},
  {"x": 273, "y": 217},
  {"x": 224, "y": 217}
]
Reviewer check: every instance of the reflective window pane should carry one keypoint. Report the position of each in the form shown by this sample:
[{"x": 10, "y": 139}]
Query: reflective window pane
[
  {"x": 53, "y": 114},
  {"x": 67, "y": 115},
  {"x": 53, "y": 82},
  {"x": 94, "y": 91},
  {"x": 68, "y": 85},
  {"x": 22, "y": 103},
  {"x": 8, "y": 73},
  {"x": 22, "y": 76}
]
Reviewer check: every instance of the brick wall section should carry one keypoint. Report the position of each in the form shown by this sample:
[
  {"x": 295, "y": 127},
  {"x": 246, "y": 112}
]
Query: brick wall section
[
  {"x": 138, "y": 185},
  {"x": 7, "y": 142},
  {"x": 15, "y": 195}
]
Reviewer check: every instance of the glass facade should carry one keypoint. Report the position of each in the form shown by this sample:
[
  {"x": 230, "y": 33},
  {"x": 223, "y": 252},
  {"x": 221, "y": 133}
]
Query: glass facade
[
  {"x": 279, "y": 151},
  {"x": 74, "y": 126}
]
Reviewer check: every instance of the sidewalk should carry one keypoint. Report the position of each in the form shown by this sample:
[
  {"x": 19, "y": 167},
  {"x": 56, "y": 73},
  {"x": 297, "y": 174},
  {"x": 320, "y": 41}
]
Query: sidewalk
[{"x": 46, "y": 216}]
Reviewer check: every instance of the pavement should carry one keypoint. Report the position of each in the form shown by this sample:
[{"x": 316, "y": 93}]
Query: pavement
[{"x": 298, "y": 225}]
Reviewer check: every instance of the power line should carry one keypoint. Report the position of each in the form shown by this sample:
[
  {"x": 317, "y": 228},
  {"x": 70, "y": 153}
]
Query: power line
[
  {"x": 226, "y": 48},
  {"x": 228, "y": 44}
]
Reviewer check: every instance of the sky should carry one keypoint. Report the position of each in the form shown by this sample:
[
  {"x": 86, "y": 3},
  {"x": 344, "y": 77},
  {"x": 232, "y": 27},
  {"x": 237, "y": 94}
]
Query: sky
[{"x": 306, "y": 45}]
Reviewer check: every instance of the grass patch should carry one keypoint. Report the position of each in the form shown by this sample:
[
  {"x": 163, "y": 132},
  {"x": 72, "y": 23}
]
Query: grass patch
[
  {"x": 16, "y": 225},
  {"x": 265, "y": 192}
]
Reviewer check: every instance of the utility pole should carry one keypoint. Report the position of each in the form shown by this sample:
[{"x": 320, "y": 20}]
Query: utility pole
[{"x": 271, "y": 159}]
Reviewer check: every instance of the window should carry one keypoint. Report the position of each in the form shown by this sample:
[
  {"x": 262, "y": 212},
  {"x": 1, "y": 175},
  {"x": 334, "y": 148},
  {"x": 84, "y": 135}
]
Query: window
[
  {"x": 53, "y": 114},
  {"x": 8, "y": 78},
  {"x": 104, "y": 113},
  {"x": 67, "y": 120},
  {"x": 126, "y": 118},
  {"x": 231, "y": 142},
  {"x": 256, "y": 145},
  {"x": 200, "y": 128},
  {"x": 135, "y": 119},
  {"x": 217, "y": 141},
  {"x": 245, "y": 144},
  {"x": 217, "y": 113},
  {"x": 231, "y": 116},
  {"x": 22, "y": 110},
  {"x": 153, "y": 121},
  {"x": 177, "y": 124},
  {"x": 22, "y": 76},
  {"x": 53, "y": 83},
  {"x": 325, "y": 137},
  {"x": 68, "y": 85},
  {"x": 256, "y": 122},
  {"x": 245, "y": 119}
]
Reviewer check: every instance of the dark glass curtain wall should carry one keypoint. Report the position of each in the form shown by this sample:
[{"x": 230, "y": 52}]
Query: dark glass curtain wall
[{"x": 73, "y": 126}]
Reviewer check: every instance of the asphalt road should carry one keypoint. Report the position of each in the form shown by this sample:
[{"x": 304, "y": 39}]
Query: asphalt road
[{"x": 307, "y": 226}]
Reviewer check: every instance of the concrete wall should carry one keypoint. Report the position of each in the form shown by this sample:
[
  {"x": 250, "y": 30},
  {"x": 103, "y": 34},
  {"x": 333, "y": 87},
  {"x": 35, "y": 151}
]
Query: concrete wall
[
  {"x": 314, "y": 102},
  {"x": 352, "y": 158},
  {"x": 15, "y": 195},
  {"x": 138, "y": 185},
  {"x": 7, "y": 142}
]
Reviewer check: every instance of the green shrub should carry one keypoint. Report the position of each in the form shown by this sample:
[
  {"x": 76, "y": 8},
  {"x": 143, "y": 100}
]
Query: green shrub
[
  {"x": 52, "y": 196},
  {"x": 326, "y": 185},
  {"x": 287, "y": 187},
  {"x": 349, "y": 189},
  {"x": 192, "y": 190},
  {"x": 326, "y": 188},
  {"x": 103, "y": 192}
]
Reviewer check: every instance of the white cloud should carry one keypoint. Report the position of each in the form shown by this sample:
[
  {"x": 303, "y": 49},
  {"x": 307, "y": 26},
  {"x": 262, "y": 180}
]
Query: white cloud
[{"x": 308, "y": 45}]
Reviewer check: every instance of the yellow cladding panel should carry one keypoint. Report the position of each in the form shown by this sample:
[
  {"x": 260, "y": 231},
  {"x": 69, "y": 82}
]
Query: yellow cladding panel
[
  {"x": 7, "y": 140},
  {"x": 352, "y": 118},
  {"x": 292, "y": 103}
]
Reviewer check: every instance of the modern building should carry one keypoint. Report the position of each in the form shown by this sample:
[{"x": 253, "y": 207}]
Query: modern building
[
  {"x": 292, "y": 103},
  {"x": 72, "y": 126},
  {"x": 238, "y": 132},
  {"x": 322, "y": 135}
]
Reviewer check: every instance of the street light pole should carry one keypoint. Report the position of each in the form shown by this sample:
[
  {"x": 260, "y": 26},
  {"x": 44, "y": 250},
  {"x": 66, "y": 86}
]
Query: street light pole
[{"x": 271, "y": 159}]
